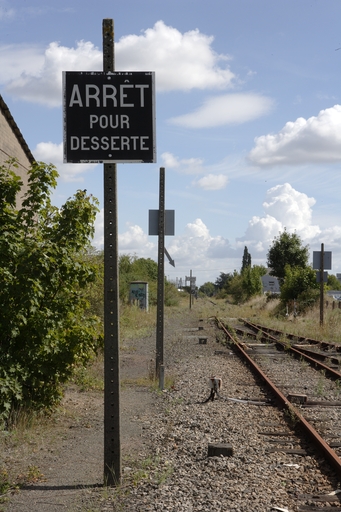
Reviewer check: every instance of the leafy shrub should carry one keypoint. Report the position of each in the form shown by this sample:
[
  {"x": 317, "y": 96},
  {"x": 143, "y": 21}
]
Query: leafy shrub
[{"x": 44, "y": 330}]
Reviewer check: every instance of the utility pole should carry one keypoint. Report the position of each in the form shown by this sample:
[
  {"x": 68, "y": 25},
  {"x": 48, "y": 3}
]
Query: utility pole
[{"x": 112, "y": 416}]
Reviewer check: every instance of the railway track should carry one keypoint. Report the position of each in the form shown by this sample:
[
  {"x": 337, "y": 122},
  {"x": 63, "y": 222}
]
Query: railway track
[{"x": 311, "y": 399}]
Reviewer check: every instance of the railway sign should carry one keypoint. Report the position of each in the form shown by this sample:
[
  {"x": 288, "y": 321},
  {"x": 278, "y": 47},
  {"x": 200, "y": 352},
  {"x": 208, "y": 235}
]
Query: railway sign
[
  {"x": 109, "y": 116},
  {"x": 318, "y": 277},
  {"x": 327, "y": 260},
  {"x": 153, "y": 225}
]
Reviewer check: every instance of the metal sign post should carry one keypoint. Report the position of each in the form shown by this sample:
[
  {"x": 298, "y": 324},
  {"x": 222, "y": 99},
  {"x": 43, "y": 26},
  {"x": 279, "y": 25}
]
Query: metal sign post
[
  {"x": 112, "y": 427},
  {"x": 109, "y": 117},
  {"x": 160, "y": 279},
  {"x": 322, "y": 286},
  {"x": 322, "y": 261}
]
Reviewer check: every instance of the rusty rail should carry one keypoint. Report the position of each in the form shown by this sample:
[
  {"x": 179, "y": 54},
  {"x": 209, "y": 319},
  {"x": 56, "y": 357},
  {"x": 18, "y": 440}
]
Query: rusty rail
[
  {"x": 319, "y": 442},
  {"x": 331, "y": 372}
]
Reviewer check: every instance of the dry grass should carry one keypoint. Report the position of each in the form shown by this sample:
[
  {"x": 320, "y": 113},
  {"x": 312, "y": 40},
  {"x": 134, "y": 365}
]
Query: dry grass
[
  {"x": 136, "y": 322},
  {"x": 261, "y": 311}
]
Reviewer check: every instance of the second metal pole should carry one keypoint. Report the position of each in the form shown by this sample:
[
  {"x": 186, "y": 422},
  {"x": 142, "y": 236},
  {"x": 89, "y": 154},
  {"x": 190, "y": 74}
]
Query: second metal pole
[{"x": 161, "y": 278}]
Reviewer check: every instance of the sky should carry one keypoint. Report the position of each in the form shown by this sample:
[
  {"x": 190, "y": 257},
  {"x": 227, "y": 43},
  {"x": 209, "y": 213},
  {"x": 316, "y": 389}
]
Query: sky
[{"x": 248, "y": 119}]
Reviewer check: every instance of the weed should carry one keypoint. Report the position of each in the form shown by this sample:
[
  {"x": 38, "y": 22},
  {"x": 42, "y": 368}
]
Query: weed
[
  {"x": 151, "y": 468},
  {"x": 5, "y": 482},
  {"x": 290, "y": 416},
  {"x": 87, "y": 380},
  {"x": 304, "y": 364},
  {"x": 9, "y": 483},
  {"x": 320, "y": 385}
]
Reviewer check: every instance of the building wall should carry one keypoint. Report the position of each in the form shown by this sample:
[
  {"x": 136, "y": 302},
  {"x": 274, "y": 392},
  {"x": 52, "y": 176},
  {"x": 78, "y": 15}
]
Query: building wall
[
  {"x": 13, "y": 145},
  {"x": 270, "y": 284}
]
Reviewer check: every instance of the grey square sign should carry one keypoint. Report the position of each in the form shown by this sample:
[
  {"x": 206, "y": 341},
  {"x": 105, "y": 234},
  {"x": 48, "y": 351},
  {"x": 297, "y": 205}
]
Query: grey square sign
[
  {"x": 327, "y": 260},
  {"x": 154, "y": 222}
]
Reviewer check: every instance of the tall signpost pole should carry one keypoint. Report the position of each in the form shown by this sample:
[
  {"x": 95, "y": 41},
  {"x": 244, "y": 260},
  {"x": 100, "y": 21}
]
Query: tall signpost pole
[
  {"x": 109, "y": 117},
  {"x": 112, "y": 429},
  {"x": 322, "y": 285},
  {"x": 160, "y": 280}
]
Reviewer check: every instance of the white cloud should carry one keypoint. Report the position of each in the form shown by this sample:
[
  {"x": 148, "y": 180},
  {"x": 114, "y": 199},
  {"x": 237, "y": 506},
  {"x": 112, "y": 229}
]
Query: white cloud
[
  {"x": 135, "y": 240},
  {"x": 181, "y": 62},
  {"x": 287, "y": 208},
  {"x": 226, "y": 109},
  {"x": 53, "y": 153},
  {"x": 19, "y": 59},
  {"x": 132, "y": 241},
  {"x": 45, "y": 85},
  {"x": 313, "y": 140},
  {"x": 196, "y": 247},
  {"x": 212, "y": 182},
  {"x": 185, "y": 165}
]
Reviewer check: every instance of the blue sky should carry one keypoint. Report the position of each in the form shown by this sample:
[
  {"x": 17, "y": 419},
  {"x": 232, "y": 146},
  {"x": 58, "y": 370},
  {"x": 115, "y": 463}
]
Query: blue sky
[{"x": 248, "y": 118}]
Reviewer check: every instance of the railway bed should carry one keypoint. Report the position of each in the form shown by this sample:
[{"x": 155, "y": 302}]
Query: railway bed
[
  {"x": 273, "y": 466},
  {"x": 314, "y": 393}
]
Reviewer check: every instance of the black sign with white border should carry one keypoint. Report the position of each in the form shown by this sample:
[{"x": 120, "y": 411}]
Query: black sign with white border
[{"x": 109, "y": 117}]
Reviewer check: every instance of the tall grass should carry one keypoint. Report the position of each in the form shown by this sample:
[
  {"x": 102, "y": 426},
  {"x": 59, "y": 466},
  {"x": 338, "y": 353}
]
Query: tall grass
[{"x": 262, "y": 311}]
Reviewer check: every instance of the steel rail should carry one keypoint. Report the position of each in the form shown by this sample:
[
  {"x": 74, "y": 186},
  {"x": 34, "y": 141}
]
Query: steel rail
[
  {"x": 334, "y": 374},
  {"x": 319, "y": 442},
  {"x": 311, "y": 341}
]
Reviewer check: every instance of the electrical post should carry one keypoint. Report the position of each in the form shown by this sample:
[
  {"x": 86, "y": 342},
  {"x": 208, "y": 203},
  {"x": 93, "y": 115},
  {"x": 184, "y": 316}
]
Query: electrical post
[{"x": 112, "y": 417}]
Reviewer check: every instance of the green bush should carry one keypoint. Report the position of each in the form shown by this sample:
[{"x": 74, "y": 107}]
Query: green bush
[{"x": 45, "y": 332}]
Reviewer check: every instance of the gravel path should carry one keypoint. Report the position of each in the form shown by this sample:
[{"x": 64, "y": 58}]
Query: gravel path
[{"x": 166, "y": 437}]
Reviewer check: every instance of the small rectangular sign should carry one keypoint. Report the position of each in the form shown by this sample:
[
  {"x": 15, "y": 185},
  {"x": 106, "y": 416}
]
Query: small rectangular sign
[
  {"x": 318, "y": 277},
  {"x": 109, "y": 117},
  {"x": 154, "y": 222},
  {"x": 327, "y": 260}
]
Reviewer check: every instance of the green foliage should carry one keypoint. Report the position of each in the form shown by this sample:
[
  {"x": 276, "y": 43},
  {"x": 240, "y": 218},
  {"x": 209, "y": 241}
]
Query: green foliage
[
  {"x": 207, "y": 289},
  {"x": 333, "y": 283},
  {"x": 246, "y": 261},
  {"x": 44, "y": 330},
  {"x": 246, "y": 284},
  {"x": 286, "y": 249},
  {"x": 171, "y": 294},
  {"x": 132, "y": 268},
  {"x": 235, "y": 288},
  {"x": 223, "y": 282},
  {"x": 298, "y": 281},
  {"x": 252, "y": 283}
]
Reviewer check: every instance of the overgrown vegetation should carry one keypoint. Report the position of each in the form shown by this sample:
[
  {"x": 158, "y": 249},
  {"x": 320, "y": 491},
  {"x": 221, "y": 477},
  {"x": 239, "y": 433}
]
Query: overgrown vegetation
[
  {"x": 51, "y": 295},
  {"x": 45, "y": 332},
  {"x": 288, "y": 262}
]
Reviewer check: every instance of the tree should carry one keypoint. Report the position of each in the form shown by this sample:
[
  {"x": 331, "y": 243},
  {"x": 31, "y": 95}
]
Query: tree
[
  {"x": 207, "y": 288},
  {"x": 222, "y": 280},
  {"x": 298, "y": 282},
  {"x": 286, "y": 249},
  {"x": 333, "y": 283},
  {"x": 44, "y": 329},
  {"x": 252, "y": 282},
  {"x": 246, "y": 261},
  {"x": 246, "y": 284}
]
